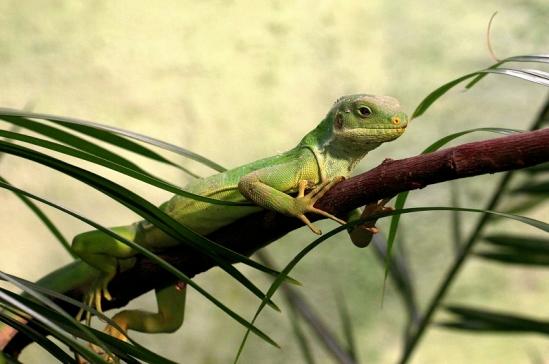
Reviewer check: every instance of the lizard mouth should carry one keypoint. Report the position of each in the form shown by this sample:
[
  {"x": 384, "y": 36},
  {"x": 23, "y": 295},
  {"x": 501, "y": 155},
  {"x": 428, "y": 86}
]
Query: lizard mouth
[
  {"x": 383, "y": 134},
  {"x": 386, "y": 130},
  {"x": 384, "y": 127},
  {"x": 372, "y": 135}
]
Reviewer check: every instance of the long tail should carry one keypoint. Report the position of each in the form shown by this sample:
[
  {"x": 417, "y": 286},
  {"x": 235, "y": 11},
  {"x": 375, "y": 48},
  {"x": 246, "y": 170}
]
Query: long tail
[{"x": 62, "y": 280}]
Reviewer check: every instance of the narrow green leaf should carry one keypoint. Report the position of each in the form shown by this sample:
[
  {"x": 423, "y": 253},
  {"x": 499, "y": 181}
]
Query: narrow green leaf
[
  {"x": 137, "y": 174},
  {"x": 62, "y": 297},
  {"x": 118, "y": 131},
  {"x": 278, "y": 281},
  {"x": 70, "y": 139},
  {"x": 13, "y": 129},
  {"x": 533, "y": 188},
  {"x": 53, "y": 328},
  {"x": 122, "y": 142},
  {"x": 38, "y": 338},
  {"x": 519, "y": 243},
  {"x": 515, "y": 258},
  {"x": 486, "y": 320},
  {"x": 540, "y": 168},
  {"x": 141, "y": 352},
  {"x": 457, "y": 225},
  {"x": 151, "y": 213},
  {"x": 403, "y": 196},
  {"x": 525, "y": 205},
  {"x": 494, "y": 69},
  {"x": 45, "y": 220},
  {"x": 393, "y": 228},
  {"x": 119, "y": 348},
  {"x": 535, "y": 76},
  {"x": 151, "y": 256},
  {"x": 66, "y": 327},
  {"x": 135, "y": 350},
  {"x": 40, "y": 214},
  {"x": 400, "y": 273},
  {"x": 534, "y": 58},
  {"x": 420, "y": 329},
  {"x": 137, "y": 204},
  {"x": 447, "y": 139},
  {"x": 302, "y": 340},
  {"x": 523, "y": 219},
  {"x": 436, "y": 94},
  {"x": 346, "y": 323},
  {"x": 51, "y": 305}
]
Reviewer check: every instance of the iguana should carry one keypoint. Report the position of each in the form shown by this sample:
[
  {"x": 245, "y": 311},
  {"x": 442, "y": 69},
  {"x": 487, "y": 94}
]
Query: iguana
[{"x": 354, "y": 126}]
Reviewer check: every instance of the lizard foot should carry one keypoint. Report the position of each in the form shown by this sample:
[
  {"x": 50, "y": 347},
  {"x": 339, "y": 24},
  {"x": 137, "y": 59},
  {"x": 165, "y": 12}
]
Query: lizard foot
[
  {"x": 305, "y": 202},
  {"x": 363, "y": 233},
  {"x": 97, "y": 292},
  {"x": 116, "y": 332}
]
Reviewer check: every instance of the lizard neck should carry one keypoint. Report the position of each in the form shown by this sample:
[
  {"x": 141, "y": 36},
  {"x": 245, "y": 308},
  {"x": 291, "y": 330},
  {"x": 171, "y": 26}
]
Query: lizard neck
[
  {"x": 339, "y": 160},
  {"x": 334, "y": 157}
]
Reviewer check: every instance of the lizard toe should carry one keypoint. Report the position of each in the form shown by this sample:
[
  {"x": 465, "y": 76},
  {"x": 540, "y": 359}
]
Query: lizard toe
[
  {"x": 326, "y": 214},
  {"x": 306, "y": 221}
]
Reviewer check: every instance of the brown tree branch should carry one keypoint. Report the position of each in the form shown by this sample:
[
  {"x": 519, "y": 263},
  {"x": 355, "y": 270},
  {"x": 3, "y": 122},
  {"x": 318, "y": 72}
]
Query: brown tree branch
[{"x": 388, "y": 179}]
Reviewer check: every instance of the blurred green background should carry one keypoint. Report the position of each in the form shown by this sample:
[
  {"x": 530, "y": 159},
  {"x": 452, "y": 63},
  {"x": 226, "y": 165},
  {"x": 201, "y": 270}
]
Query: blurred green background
[{"x": 236, "y": 81}]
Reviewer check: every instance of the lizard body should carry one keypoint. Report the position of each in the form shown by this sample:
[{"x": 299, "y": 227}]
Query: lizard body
[{"x": 354, "y": 126}]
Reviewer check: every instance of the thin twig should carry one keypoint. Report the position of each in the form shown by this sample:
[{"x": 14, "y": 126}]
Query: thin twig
[{"x": 488, "y": 38}]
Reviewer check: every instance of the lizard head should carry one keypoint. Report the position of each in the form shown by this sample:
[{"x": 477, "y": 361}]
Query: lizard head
[{"x": 363, "y": 120}]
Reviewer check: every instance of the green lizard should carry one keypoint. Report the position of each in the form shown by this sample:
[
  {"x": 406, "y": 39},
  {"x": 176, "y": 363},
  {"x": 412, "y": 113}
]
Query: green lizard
[{"x": 354, "y": 126}]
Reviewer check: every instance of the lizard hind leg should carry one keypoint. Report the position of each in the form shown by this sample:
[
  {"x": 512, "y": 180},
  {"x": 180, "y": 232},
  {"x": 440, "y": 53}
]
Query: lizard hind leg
[
  {"x": 103, "y": 252},
  {"x": 362, "y": 234},
  {"x": 169, "y": 318}
]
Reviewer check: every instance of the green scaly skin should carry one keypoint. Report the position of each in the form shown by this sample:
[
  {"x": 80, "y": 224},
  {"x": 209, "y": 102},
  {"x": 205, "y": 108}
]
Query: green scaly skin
[{"x": 354, "y": 126}]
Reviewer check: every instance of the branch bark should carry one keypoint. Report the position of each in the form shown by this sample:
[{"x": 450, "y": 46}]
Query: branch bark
[{"x": 388, "y": 179}]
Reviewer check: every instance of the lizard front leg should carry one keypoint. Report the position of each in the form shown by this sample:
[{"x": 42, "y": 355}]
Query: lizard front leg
[
  {"x": 306, "y": 202},
  {"x": 266, "y": 187}
]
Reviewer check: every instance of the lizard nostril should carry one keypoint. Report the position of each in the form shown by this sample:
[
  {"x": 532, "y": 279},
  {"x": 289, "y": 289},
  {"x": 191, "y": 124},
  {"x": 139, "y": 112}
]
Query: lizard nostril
[{"x": 395, "y": 120}]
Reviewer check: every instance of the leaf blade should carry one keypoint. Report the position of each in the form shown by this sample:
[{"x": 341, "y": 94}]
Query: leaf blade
[
  {"x": 488, "y": 320},
  {"x": 119, "y": 131},
  {"x": 403, "y": 196},
  {"x": 153, "y": 257},
  {"x": 151, "y": 213},
  {"x": 124, "y": 169}
]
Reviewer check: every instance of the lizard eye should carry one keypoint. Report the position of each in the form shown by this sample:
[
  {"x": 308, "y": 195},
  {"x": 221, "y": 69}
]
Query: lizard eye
[{"x": 364, "y": 111}]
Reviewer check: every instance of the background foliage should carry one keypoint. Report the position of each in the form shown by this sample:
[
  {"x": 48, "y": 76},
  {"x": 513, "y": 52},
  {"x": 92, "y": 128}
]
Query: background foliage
[{"x": 213, "y": 76}]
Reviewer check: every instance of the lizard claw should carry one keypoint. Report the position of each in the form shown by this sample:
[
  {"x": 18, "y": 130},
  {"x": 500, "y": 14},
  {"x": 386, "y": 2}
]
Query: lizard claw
[
  {"x": 373, "y": 229},
  {"x": 109, "y": 358},
  {"x": 104, "y": 355},
  {"x": 305, "y": 202},
  {"x": 117, "y": 333},
  {"x": 93, "y": 298},
  {"x": 100, "y": 291},
  {"x": 306, "y": 221}
]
